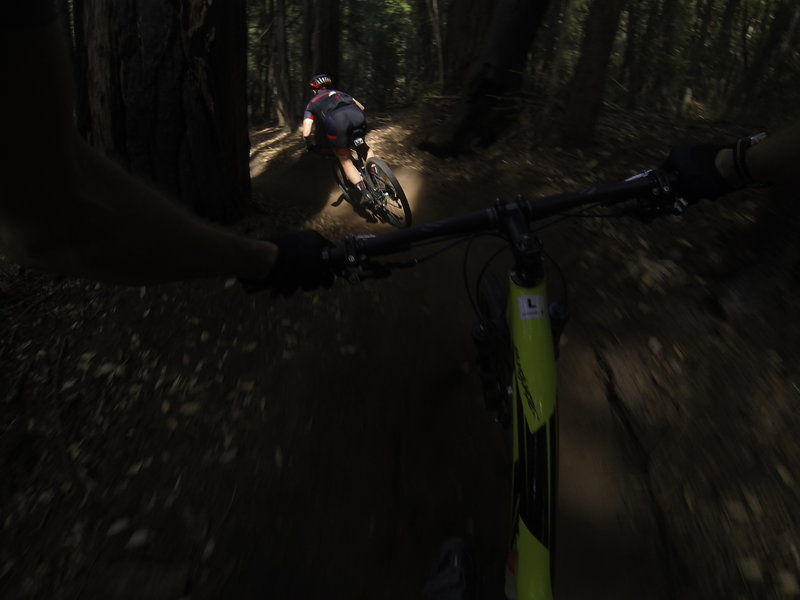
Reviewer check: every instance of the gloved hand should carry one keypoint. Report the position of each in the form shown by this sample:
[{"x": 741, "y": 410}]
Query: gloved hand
[
  {"x": 298, "y": 264},
  {"x": 310, "y": 145},
  {"x": 698, "y": 177}
]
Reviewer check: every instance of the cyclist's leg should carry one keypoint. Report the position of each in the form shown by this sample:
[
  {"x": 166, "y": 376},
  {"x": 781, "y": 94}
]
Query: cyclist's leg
[
  {"x": 348, "y": 167},
  {"x": 337, "y": 127}
]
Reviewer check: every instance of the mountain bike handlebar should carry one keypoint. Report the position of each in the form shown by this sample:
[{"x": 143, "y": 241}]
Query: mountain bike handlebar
[{"x": 652, "y": 189}]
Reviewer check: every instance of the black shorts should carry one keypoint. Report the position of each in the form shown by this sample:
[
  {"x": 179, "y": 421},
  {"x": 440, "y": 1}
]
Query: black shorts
[{"x": 340, "y": 124}]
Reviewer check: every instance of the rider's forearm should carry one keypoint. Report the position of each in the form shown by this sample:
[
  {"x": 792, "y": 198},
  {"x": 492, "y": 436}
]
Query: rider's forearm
[
  {"x": 777, "y": 158},
  {"x": 307, "y": 124},
  {"x": 108, "y": 225},
  {"x": 773, "y": 161}
]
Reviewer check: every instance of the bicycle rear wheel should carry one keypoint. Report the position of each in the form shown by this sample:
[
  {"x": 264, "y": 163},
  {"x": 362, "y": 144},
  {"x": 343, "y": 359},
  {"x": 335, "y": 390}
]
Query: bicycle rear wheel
[{"x": 391, "y": 203}]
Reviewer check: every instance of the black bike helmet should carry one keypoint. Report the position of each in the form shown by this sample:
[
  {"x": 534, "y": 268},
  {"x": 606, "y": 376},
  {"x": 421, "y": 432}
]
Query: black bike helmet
[{"x": 320, "y": 81}]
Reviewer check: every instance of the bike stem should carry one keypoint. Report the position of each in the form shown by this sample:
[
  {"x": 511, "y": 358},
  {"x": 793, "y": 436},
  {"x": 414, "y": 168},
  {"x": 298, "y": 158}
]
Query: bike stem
[{"x": 527, "y": 248}]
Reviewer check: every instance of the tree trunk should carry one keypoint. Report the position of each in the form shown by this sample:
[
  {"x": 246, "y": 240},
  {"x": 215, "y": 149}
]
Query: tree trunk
[
  {"x": 80, "y": 60},
  {"x": 629, "y": 55},
  {"x": 697, "y": 51},
  {"x": 490, "y": 102},
  {"x": 554, "y": 74},
  {"x": 467, "y": 24},
  {"x": 322, "y": 33},
  {"x": 667, "y": 75},
  {"x": 642, "y": 51},
  {"x": 436, "y": 30},
  {"x": 424, "y": 67},
  {"x": 750, "y": 87},
  {"x": 166, "y": 97},
  {"x": 721, "y": 53},
  {"x": 280, "y": 78},
  {"x": 260, "y": 99},
  {"x": 588, "y": 83}
]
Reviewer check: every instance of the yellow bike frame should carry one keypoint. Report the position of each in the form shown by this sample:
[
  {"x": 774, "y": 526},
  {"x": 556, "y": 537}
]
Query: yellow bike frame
[{"x": 535, "y": 435}]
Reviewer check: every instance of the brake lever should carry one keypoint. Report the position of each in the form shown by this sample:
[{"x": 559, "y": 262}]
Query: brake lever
[{"x": 647, "y": 210}]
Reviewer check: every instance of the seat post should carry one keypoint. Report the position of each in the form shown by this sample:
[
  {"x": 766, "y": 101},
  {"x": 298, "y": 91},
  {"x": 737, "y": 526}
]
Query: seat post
[{"x": 361, "y": 148}]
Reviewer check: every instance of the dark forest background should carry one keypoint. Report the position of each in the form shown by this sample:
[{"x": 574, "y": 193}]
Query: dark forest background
[{"x": 171, "y": 89}]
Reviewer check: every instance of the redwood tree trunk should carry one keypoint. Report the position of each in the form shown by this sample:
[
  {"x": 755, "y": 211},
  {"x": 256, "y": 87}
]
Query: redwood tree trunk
[
  {"x": 490, "y": 99},
  {"x": 640, "y": 51},
  {"x": 750, "y": 87},
  {"x": 467, "y": 24},
  {"x": 165, "y": 89},
  {"x": 322, "y": 33},
  {"x": 588, "y": 84},
  {"x": 286, "y": 102}
]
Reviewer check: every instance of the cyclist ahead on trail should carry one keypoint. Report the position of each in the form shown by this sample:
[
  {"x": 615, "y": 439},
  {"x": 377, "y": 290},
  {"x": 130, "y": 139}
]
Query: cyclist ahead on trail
[{"x": 337, "y": 115}]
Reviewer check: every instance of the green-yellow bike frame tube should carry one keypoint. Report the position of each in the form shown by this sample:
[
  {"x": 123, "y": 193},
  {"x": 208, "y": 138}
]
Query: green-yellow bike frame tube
[{"x": 535, "y": 440}]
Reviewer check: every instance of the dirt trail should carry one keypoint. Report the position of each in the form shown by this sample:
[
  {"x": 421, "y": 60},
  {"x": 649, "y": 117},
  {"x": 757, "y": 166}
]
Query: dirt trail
[{"x": 191, "y": 441}]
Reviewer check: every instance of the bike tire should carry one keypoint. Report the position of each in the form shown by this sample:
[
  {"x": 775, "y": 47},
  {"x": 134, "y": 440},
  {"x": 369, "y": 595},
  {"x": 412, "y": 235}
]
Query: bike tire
[{"x": 392, "y": 205}]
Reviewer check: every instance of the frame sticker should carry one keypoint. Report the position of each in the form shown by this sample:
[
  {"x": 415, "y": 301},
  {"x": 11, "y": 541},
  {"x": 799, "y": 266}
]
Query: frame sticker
[{"x": 531, "y": 307}]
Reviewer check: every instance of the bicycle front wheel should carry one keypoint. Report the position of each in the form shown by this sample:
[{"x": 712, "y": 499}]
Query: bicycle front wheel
[{"x": 390, "y": 197}]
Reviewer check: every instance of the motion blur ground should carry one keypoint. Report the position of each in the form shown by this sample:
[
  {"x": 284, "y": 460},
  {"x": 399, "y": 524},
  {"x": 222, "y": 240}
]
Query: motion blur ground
[{"x": 191, "y": 441}]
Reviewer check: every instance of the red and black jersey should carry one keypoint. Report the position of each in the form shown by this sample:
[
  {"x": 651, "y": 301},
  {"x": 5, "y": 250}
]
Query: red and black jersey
[{"x": 325, "y": 102}]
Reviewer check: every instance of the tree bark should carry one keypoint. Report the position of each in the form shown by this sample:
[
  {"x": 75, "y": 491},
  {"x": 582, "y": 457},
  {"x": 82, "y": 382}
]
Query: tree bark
[
  {"x": 697, "y": 51},
  {"x": 490, "y": 100},
  {"x": 166, "y": 96},
  {"x": 467, "y": 25},
  {"x": 643, "y": 52},
  {"x": 322, "y": 32},
  {"x": 258, "y": 86},
  {"x": 286, "y": 105},
  {"x": 666, "y": 77},
  {"x": 436, "y": 30},
  {"x": 750, "y": 87},
  {"x": 588, "y": 83},
  {"x": 721, "y": 52}
]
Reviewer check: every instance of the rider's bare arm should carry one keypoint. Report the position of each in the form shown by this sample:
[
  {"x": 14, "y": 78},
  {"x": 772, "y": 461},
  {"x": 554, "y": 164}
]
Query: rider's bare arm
[
  {"x": 775, "y": 160},
  {"x": 65, "y": 208},
  {"x": 307, "y": 124}
]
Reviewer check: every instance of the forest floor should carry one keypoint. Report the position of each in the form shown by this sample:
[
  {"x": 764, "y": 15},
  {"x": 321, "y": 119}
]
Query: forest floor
[{"x": 191, "y": 441}]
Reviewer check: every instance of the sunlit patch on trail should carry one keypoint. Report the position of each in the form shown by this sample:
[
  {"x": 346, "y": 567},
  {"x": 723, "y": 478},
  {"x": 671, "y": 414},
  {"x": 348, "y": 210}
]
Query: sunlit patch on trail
[{"x": 265, "y": 145}]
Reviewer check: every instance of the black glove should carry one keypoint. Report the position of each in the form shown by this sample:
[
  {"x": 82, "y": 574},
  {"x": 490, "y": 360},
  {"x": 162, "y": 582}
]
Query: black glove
[
  {"x": 698, "y": 177},
  {"x": 310, "y": 145},
  {"x": 298, "y": 264}
]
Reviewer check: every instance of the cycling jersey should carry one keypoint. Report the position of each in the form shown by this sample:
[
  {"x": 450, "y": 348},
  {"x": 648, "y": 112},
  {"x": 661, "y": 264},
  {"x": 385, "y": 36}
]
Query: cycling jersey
[
  {"x": 326, "y": 101},
  {"x": 339, "y": 116}
]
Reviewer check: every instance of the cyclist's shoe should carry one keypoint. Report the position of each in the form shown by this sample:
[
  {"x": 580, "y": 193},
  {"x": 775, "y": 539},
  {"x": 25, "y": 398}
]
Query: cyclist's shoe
[{"x": 453, "y": 574}]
